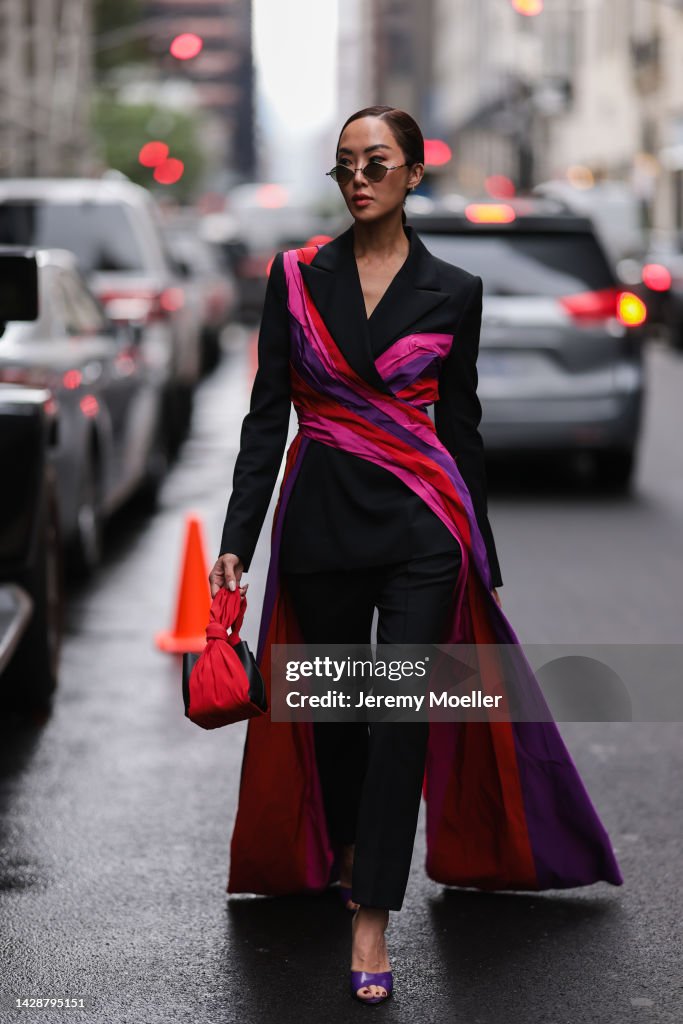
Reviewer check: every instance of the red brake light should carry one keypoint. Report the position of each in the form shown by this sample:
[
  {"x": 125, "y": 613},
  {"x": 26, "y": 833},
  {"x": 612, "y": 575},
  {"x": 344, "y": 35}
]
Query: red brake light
[
  {"x": 490, "y": 213},
  {"x": 143, "y": 304},
  {"x": 605, "y": 304},
  {"x": 631, "y": 310},
  {"x": 71, "y": 379}
]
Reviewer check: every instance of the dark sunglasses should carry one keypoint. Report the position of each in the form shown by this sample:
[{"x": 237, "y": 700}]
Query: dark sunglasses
[{"x": 373, "y": 172}]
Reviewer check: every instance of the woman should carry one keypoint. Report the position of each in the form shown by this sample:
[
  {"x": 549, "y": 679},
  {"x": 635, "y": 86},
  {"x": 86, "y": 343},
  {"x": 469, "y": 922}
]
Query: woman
[{"x": 383, "y": 508}]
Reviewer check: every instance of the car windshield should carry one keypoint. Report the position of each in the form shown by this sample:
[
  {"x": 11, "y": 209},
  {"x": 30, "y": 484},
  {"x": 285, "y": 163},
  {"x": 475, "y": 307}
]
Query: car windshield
[
  {"x": 526, "y": 263},
  {"x": 100, "y": 234}
]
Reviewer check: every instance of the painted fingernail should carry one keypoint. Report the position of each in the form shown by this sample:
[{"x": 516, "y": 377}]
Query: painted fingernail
[{"x": 232, "y": 585}]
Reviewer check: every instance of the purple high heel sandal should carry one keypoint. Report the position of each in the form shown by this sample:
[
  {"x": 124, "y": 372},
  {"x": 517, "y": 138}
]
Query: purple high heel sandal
[{"x": 359, "y": 980}]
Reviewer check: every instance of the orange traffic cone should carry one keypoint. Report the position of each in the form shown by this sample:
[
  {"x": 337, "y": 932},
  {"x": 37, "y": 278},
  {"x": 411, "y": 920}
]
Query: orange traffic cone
[{"x": 194, "y": 596}]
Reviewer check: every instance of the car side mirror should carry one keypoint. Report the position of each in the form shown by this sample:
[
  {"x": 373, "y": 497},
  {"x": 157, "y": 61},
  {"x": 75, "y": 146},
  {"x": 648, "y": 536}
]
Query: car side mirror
[{"x": 18, "y": 286}]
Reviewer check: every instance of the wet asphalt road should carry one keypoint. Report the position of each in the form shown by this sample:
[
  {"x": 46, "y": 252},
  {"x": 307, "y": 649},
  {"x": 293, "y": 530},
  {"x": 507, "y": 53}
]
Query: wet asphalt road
[{"x": 116, "y": 813}]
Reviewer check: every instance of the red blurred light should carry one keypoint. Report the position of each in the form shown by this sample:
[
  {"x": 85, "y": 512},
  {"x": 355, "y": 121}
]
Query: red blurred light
[
  {"x": 186, "y": 45},
  {"x": 489, "y": 213},
  {"x": 607, "y": 303},
  {"x": 72, "y": 379},
  {"x": 141, "y": 305},
  {"x": 172, "y": 299},
  {"x": 272, "y": 196},
  {"x": 598, "y": 305},
  {"x": 89, "y": 405},
  {"x": 529, "y": 8},
  {"x": 169, "y": 171},
  {"x": 437, "y": 152},
  {"x": 656, "y": 277},
  {"x": 153, "y": 153},
  {"x": 500, "y": 186}
]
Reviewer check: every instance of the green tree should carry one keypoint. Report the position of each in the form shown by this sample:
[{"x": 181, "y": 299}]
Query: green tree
[{"x": 120, "y": 130}]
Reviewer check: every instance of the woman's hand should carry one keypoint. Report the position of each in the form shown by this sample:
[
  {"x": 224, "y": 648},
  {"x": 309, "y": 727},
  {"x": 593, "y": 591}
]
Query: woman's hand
[
  {"x": 495, "y": 594},
  {"x": 227, "y": 572}
]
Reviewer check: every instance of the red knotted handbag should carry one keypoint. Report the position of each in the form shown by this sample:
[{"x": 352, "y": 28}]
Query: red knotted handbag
[{"x": 223, "y": 683}]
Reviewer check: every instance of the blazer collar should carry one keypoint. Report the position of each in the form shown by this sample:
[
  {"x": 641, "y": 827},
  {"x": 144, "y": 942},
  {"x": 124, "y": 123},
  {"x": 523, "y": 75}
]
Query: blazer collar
[{"x": 334, "y": 285}]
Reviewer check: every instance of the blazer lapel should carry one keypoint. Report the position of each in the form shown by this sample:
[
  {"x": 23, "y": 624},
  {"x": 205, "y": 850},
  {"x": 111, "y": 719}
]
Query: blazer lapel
[{"x": 333, "y": 282}]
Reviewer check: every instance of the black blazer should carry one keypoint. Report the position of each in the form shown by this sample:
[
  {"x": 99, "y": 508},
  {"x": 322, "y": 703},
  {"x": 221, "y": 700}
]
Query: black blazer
[{"x": 343, "y": 510}]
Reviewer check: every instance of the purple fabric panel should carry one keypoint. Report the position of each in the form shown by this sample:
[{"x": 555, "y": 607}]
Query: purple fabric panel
[
  {"x": 564, "y": 828},
  {"x": 423, "y": 367}
]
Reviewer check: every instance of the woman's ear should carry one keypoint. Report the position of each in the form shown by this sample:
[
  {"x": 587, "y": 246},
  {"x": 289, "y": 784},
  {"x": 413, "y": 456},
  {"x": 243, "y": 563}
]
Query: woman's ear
[{"x": 416, "y": 173}]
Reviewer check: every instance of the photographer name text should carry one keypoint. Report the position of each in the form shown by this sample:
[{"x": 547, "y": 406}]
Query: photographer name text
[{"x": 339, "y": 699}]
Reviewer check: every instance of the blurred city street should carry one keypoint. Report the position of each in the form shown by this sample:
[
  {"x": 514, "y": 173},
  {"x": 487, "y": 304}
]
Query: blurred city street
[
  {"x": 116, "y": 813},
  {"x": 156, "y": 158}
]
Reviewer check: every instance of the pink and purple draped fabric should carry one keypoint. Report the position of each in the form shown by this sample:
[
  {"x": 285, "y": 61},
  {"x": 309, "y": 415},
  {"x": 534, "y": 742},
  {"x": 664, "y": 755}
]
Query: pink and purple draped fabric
[{"x": 505, "y": 806}]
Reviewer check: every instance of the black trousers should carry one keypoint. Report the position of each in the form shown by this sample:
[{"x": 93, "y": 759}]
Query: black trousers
[{"x": 371, "y": 775}]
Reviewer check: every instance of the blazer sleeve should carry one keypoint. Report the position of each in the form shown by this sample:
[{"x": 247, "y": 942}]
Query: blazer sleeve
[
  {"x": 264, "y": 428},
  {"x": 457, "y": 415}
]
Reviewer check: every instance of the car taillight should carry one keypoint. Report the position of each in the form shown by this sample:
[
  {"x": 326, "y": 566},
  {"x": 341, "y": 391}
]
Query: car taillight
[
  {"x": 490, "y": 213},
  {"x": 631, "y": 310},
  {"x": 31, "y": 376},
  {"x": 605, "y": 304},
  {"x": 143, "y": 305}
]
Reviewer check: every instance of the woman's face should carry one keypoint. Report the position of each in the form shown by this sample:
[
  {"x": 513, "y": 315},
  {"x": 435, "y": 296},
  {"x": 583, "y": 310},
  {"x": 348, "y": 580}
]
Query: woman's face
[{"x": 369, "y": 140}]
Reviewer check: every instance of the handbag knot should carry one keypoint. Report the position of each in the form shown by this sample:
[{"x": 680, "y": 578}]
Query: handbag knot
[{"x": 214, "y": 631}]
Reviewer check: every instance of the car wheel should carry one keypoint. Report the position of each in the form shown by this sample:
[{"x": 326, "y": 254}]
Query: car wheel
[
  {"x": 614, "y": 469},
  {"x": 31, "y": 677},
  {"x": 85, "y": 551}
]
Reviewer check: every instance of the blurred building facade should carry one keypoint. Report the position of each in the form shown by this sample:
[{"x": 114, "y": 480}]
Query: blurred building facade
[
  {"x": 386, "y": 49},
  {"x": 45, "y": 82},
  {"x": 222, "y": 73},
  {"x": 356, "y": 87},
  {"x": 594, "y": 83},
  {"x": 589, "y": 83}
]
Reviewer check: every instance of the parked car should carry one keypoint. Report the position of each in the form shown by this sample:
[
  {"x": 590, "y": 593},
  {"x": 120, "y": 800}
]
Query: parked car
[
  {"x": 259, "y": 219},
  {"x": 109, "y": 402},
  {"x": 31, "y": 590},
  {"x": 114, "y": 228},
  {"x": 209, "y": 283},
  {"x": 561, "y": 352}
]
